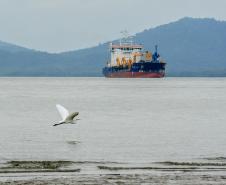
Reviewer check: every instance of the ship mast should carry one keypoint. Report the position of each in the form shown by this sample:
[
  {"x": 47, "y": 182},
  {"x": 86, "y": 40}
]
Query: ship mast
[
  {"x": 156, "y": 48},
  {"x": 126, "y": 38}
]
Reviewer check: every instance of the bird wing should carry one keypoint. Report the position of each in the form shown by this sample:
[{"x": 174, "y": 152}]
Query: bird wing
[
  {"x": 63, "y": 112},
  {"x": 71, "y": 116}
]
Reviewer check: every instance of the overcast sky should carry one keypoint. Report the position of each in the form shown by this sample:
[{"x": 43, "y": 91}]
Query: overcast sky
[{"x": 61, "y": 25}]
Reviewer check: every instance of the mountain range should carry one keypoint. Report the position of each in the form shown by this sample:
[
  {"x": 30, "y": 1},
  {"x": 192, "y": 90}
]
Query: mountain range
[{"x": 190, "y": 46}]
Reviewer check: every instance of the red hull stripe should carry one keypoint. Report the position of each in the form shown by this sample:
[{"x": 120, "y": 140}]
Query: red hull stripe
[{"x": 135, "y": 75}]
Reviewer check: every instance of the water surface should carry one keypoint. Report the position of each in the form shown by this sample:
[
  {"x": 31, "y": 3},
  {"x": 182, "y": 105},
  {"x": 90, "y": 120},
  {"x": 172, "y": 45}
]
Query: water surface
[{"x": 122, "y": 120}]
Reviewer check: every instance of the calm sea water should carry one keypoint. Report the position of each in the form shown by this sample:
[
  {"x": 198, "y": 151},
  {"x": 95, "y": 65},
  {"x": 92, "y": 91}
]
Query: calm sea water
[{"x": 122, "y": 120}]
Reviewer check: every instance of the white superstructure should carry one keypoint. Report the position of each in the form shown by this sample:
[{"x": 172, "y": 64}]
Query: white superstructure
[{"x": 125, "y": 53}]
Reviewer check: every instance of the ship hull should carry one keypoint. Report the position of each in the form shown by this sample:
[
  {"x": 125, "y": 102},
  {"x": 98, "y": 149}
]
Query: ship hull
[
  {"x": 137, "y": 70},
  {"x": 130, "y": 74}
]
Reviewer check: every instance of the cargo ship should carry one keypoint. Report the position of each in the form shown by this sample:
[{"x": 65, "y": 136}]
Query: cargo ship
[{"x": 129, "y": 60}]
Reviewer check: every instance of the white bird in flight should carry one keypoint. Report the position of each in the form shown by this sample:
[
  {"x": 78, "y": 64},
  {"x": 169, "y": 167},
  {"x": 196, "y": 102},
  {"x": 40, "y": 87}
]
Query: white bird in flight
[{"x": 66, "y": 117}]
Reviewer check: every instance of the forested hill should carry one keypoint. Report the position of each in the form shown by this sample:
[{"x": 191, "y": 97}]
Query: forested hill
[{"x": 191, "y": 47}]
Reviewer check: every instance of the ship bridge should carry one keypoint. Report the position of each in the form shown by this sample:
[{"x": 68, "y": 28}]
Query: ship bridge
[
  {"x": 127, "y": 46},
  {"x": 125, "y": 52}
]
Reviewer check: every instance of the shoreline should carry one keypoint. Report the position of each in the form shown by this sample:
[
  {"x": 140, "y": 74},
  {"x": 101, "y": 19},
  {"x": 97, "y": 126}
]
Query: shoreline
[{"x": 85, "y": 172}]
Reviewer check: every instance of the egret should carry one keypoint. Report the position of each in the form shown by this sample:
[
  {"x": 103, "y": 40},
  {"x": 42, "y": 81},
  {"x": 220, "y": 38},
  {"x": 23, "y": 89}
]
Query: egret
[{"x": 66, "y": 117}]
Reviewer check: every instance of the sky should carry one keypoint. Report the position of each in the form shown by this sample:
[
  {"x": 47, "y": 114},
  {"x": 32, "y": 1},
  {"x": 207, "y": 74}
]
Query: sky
[{"x": 63, "y": 25}]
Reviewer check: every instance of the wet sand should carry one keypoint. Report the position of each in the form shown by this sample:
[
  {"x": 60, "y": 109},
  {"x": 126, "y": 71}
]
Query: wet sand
[
  {"x": 88, "y": 172},
  {"x": 180, "y": 179}
]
